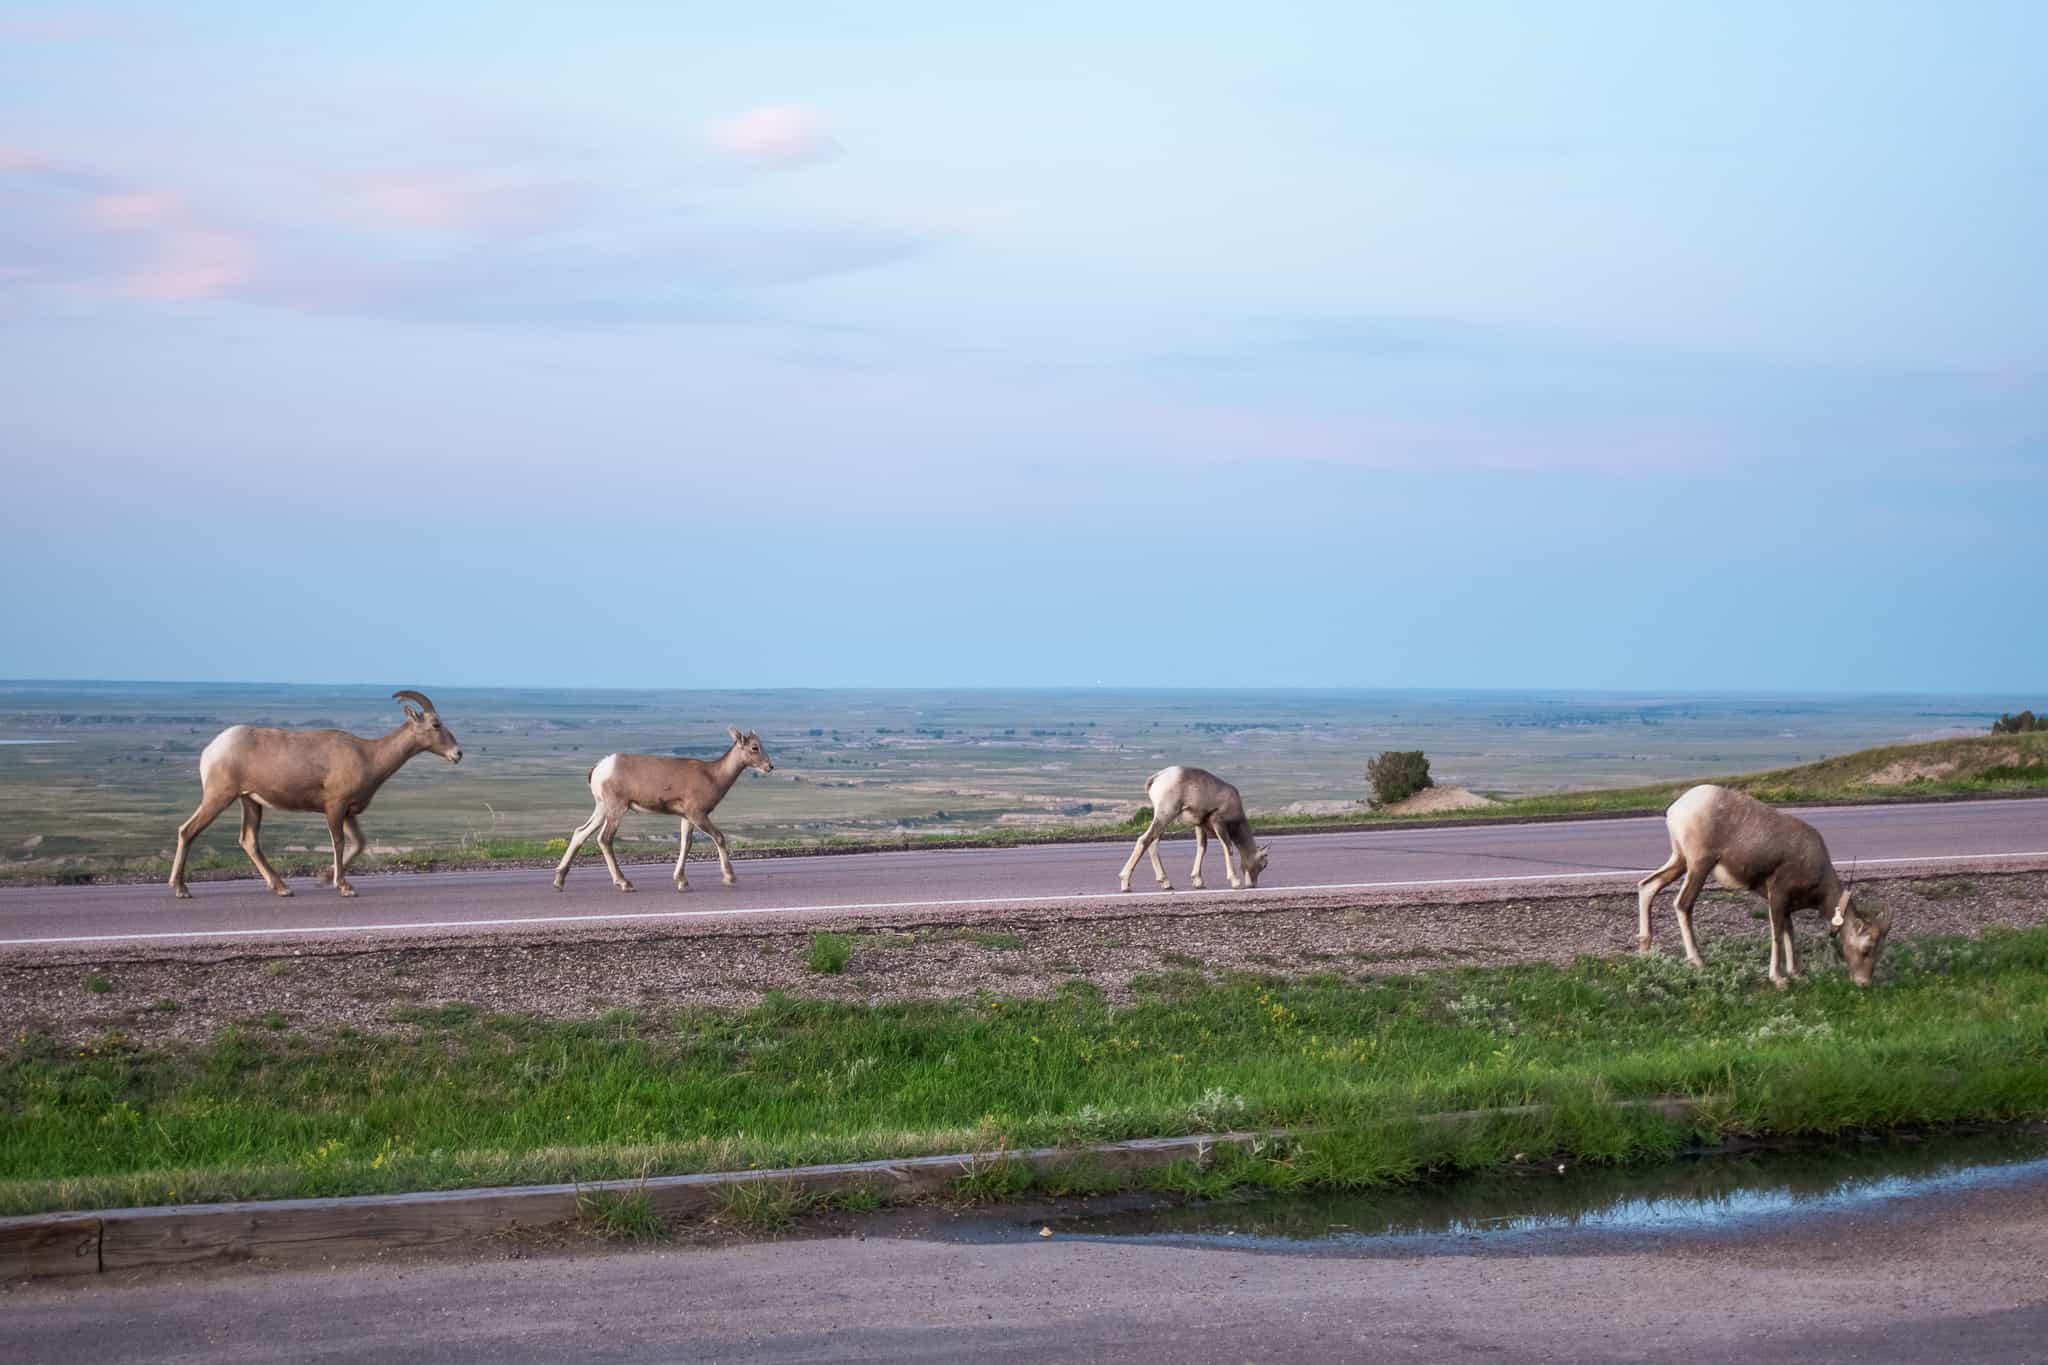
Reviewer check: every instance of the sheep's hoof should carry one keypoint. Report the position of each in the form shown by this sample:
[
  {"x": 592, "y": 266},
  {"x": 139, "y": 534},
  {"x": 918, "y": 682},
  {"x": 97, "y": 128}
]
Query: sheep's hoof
[
  {"x": 682, "y": 887},
  {"x": 344, "y": 888},
  {"x": 1201, "y": 885},
  {"x": 1166, "y": 886},
  {"x": 1121, "y": 886},
  {"x": 625, "y": 886},
  {"x": 730, "y": 881},
  {"x": 283, "y": 891},
  {"x": 1781, "y": 982},
  {"x": 184, "y": 895},
  {"x": 1643, "y": 945},
  {"x": 558, "y": 883}
]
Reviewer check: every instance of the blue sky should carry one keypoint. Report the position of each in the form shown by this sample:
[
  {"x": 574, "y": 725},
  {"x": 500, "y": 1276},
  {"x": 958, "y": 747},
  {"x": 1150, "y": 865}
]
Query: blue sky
[{"x": 1659, "y": 345}]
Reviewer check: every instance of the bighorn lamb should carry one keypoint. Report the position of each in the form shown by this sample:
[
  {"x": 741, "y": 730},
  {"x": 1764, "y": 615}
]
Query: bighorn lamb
[
  {"x": 1213, "y": 807},
  {"x": 330, "y": 771},
  {"x": 1746, "y": 846},
  {"x": 685, "y": 787}
]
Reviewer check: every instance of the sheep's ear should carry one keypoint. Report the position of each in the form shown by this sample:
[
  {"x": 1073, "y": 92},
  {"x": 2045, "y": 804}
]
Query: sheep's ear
[
  {"x": 412, "y": 713},
  {"x": 736, "y": 735}
]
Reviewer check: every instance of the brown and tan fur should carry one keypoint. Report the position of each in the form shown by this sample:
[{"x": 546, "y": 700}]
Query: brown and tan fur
[
  {"x": 329, "y": 771},
  {"x": 1745, "y": 845},
  {"x": 1212, "y": 806},
  {"x": 685, "y": 787}
]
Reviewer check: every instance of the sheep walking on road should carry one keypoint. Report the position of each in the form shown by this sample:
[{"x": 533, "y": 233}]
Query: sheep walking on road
[
  {"x": 689, "y": 788},
  {"x": 330, "y": 771}
]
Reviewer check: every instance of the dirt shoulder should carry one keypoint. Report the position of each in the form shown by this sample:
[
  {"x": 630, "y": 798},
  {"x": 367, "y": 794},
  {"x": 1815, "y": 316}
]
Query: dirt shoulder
[{"x": 153, "y": 995}]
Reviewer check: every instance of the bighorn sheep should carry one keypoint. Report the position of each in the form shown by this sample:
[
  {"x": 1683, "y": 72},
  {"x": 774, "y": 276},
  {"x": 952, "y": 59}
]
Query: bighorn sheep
[
  {"x": 1746, "y": 846},
  {"x": 1213, "y": 807},
  {"x": 685, "y": 787},
  {"x": 330, "y": 771}
]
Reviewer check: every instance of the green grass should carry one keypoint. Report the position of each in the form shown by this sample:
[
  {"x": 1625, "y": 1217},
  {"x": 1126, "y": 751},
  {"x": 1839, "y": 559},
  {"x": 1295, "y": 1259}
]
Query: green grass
[
  {"x": 618, "y": 1216},
  {"x": 1955, "y": 1029},
  {"x": 828, "y": 953}
]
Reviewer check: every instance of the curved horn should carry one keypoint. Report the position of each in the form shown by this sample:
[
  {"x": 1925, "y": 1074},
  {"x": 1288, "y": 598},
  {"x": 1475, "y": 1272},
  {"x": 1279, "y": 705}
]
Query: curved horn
[{"x": 410, "y": 695}]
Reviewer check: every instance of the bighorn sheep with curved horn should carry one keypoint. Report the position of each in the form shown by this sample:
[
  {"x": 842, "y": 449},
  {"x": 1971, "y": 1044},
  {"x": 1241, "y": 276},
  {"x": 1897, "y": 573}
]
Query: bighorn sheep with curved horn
[
  {"x": 330, "y": 771},
  {"x": 686, "y": 787},
  {"x": 1744, "y": 845},
  {"x": 1212, "y": 806}
]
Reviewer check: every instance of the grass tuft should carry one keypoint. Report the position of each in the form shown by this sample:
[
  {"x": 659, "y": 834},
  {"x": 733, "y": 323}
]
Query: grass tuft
[{"x": 828, "y": 953}]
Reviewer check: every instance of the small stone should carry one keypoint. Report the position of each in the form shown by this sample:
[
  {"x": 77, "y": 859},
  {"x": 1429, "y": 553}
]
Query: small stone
[{"x": 1045, "y": 1232}]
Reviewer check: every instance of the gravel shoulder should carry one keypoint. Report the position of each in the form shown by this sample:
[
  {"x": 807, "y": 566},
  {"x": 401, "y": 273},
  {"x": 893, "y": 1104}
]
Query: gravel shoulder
[{"x": 151, "y": 994}]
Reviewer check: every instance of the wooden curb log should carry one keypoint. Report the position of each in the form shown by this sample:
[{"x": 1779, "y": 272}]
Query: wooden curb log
[{"x": 52, "y": 1244}]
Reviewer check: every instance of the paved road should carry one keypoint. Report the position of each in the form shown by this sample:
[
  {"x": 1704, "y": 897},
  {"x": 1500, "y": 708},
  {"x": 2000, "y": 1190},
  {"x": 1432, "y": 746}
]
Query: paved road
[
  {"x": 1953, "y": 1276},
  {"x": 898, "y": 885}
]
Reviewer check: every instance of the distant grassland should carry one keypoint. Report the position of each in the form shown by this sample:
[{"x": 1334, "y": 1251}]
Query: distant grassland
[
  {"x": 109, "y": 770},
  {"x": 1956, "y": 1030}
]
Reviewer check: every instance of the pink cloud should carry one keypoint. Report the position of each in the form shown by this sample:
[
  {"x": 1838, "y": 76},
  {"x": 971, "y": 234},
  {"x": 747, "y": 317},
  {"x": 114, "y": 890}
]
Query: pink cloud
[
  {"x": 132, "y": 209},
  {"x": 464, "y": 202},
  {"x": 54, "y": 26},
  {"x": 777, "y": 135},
  {"x": 192, "y": 263}
]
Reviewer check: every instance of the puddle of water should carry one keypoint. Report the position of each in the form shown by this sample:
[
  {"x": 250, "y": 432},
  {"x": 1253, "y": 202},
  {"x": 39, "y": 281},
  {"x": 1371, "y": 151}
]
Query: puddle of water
[{"x": 1700, "y": 1193}]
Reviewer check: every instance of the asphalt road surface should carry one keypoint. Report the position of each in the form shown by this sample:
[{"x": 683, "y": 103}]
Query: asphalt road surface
[
  {"x": 1948, "y": 1276},
  {"x": 1876, "y": 839}
]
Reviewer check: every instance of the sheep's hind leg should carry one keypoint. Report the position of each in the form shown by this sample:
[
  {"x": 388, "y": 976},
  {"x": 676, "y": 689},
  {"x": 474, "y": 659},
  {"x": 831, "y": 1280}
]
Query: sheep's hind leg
[
  {"x": 605, "y": 834},
  {"x": 1148, "y": 841},
  {"x": 576, "y": 841},
  {"x": 252, "y": 826},
  {"x": 1201, "y": 852},
  {"x": 211, "y": 804},
  {"x": 1695, "y": 882}
]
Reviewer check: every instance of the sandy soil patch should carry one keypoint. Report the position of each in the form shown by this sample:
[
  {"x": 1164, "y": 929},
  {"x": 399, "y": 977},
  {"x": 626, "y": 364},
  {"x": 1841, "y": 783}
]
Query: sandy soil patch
[
  {"x": 373, "y": 987},
  {"x": 1432, "y": 800},
  {"x": 1902, "y": 771}
]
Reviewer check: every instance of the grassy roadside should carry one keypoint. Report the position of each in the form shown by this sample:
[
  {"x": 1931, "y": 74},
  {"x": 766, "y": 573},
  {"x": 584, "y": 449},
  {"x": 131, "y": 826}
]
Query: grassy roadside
[
  {"x": 1987, "y": 765},
  {"x": 1957, "y": 1029}
]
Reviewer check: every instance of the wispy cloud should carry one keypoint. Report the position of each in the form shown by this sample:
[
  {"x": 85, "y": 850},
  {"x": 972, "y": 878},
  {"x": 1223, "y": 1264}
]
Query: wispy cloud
[
  {"x": 779, "y": 136},
  {"x": 59, "y": 26},
  {"x": 462, "y": 244}
]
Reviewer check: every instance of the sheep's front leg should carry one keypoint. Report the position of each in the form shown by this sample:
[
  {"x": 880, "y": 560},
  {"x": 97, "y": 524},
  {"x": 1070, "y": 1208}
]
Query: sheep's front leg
[
  {"x": 337, "y": 831},
  {"x": 724, "y": 853},
  {"x": 683, "y": 854}
]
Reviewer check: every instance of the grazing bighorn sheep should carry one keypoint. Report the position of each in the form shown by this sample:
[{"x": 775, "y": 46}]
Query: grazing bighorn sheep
[
  {"x": 330, "y": 771},
  {"x": 685, "y": 787},
  {"x": 1746, "y": 846},
  {"x": 1213, "y": 807}
]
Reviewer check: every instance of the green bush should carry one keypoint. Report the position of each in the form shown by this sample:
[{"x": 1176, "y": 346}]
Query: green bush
[
  {"x": 2020, "y": 724},
  {"x": 1397, "y": 775}
]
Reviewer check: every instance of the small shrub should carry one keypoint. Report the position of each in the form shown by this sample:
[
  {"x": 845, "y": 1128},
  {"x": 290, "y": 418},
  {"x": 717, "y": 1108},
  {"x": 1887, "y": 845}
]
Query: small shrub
[
  {"x": 829, "y": 953},
  {"x": 2024, "y": 723},
  {"x": 1397, "y": 774},
  {"x": 98, "y": 984}
]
